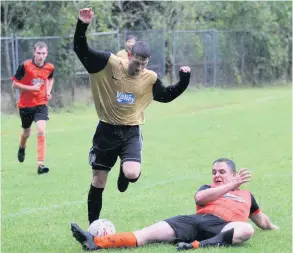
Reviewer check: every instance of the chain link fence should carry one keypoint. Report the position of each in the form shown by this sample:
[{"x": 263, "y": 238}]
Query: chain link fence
[{"x": 217, "y": 59}]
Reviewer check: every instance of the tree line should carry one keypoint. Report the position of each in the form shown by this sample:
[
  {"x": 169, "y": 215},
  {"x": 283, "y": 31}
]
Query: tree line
[{"x": 269, "y": 24}]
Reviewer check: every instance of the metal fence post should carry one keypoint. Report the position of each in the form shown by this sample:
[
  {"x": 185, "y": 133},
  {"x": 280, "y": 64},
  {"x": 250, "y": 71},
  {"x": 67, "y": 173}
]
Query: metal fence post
[
  {"x": 215, "y": 57},
  {"x": 13, "y": 53},
  {"x": 173, "y": 56},
  {"x": 164, "y": 50},
  {"x": 16, "y": 51},
  {"x": 205, "y": 59},
  {"x": 15, "y": 62},
  {"x": 118, "y": 41}
]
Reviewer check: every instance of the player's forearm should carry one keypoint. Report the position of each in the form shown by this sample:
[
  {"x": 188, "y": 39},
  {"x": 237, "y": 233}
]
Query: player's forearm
[
  {"x": 50, "y": 85},
  {"x": 80, "y": 45},
  {"x": 22, "y": 86},
  {"x": 209, "y": 195},
  {"x": 93, "y": 61},
  {"x": 167, "y": 94},
  {"x": 266, "y": 224}
]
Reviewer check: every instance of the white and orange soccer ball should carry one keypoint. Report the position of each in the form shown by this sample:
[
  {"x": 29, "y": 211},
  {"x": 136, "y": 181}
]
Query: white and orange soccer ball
[{"x": 102, "y": 227}]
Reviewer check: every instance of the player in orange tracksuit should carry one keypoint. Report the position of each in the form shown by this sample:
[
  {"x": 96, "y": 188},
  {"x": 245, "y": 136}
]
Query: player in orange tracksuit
[
  {"x": 220, "y": 219},
  {"x": 34, "y": 78}
]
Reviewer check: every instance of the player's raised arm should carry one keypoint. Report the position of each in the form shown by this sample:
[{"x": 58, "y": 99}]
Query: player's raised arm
[
  {"x": 167, "y": 94},
  {"x": 94, "y": 61},
  {"x": 208, "y": 195}
]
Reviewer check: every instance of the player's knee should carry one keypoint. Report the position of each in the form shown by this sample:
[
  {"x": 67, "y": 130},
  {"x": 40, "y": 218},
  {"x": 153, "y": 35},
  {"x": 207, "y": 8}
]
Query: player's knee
[
  {"x": 141, "y": 237},
  {"x": 133, "y": 177},
  {"x": 26, "y": 133},
  {"x": 99, "y": 179},
  {"x": 98, "y": 183},
  {"x": 245, "y": 233},
  {"x": 131, "y": 172},
  {"x": 249, "y": 231},
  {"x": 41, "y": 132}
]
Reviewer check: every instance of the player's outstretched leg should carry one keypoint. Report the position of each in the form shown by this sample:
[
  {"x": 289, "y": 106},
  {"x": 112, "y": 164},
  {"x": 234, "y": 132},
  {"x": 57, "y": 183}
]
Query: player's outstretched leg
[{"x": 84, "y": 238}]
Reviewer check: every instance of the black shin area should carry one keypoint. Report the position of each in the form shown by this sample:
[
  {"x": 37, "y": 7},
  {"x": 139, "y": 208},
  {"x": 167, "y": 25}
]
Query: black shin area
[
  {"x": 222, "y": 239},
  {"x": 95, "y": 198}
]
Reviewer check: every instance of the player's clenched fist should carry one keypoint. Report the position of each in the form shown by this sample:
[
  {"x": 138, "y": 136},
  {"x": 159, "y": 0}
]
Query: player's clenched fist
[
  {"x": 86, "y": 15},
  {"x": 185, "y": 69}
]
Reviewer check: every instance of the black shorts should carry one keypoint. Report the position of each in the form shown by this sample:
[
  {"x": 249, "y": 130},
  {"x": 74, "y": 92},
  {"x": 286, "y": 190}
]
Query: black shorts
[
  {"x": 30, "y": 114},
  {"x": 189, "y": 228},
  {"x": 111, "y": 142}
]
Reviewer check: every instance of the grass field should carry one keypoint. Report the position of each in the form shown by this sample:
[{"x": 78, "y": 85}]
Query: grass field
[{"x": 181, "y": 140}]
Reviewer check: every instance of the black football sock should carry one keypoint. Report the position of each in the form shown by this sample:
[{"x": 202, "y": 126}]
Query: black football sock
[
  {"x": 94, "y": 203},
  {"x": 222, "y": 239}
]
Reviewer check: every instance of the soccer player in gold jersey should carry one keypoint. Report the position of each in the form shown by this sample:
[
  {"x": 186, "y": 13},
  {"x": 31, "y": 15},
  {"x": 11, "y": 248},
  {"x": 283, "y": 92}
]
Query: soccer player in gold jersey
[{"x": 122, "y": 89}]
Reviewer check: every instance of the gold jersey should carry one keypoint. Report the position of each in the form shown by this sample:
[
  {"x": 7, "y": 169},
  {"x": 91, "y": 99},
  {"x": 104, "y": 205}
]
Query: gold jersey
[
  {"x": 123, "y": 54},
  {"x": 121, "y": 99}
]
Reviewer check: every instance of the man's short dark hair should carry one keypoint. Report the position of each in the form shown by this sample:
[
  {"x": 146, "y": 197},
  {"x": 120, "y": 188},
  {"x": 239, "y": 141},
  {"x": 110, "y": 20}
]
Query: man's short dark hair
[
  {"x": 130, "y": 37},
  {"x": 141, "y": 48},
  {"x": 229, "y": 162}
]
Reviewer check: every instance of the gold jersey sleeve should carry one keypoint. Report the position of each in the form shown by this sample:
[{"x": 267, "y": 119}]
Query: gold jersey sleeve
[
  {"x": 120, "y": 99},
  {"x": 123, "y": 54}
]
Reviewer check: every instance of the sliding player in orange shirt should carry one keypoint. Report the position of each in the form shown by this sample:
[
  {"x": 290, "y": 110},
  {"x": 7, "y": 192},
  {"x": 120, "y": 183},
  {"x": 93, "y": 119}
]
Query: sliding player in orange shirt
[
  {"x": 34, "y": 78},
  {"x": 222, "y": 210}
]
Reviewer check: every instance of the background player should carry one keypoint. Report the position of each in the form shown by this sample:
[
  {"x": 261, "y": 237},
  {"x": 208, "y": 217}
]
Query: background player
[
  {"x": 129, "y": 42},
  {"x": 34, "y": 78}
]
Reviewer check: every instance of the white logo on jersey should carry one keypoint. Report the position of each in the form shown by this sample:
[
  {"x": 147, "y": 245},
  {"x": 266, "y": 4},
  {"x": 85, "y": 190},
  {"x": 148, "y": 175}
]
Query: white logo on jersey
[
  {"x": 37, "y": 81},
  {"x": 234, "y": 197},
  {"x": 125, "y": 98}
]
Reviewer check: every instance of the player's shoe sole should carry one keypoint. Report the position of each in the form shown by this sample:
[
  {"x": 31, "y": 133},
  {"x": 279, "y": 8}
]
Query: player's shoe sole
[{"x": 84, "y": 238}]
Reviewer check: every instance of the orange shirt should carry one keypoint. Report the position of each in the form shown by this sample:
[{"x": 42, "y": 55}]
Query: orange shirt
[
  {"x": 30, "y": 74},
  {"x": 233, "y": 206}
]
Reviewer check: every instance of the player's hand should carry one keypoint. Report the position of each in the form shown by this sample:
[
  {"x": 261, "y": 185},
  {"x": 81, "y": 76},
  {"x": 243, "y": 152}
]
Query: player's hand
[
  {"x": 184, "y": 246},
  {"x": 36, "y": 87},
  {"x": 86, "y": 15},
  {"x": 49, "y": 96},
  {"x": 242, "y": 177},
  {"x": 274, "y": 227},
  {"x": 184, "y": 74},
  {"x": 185, "y": 69}
]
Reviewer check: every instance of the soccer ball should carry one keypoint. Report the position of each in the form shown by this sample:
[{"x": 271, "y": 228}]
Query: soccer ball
[{"x": 102, "y": 227}]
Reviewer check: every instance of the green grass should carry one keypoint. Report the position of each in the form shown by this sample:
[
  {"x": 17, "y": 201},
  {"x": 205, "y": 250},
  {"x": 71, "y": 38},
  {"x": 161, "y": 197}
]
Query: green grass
[{"x": 181, "y": 140}]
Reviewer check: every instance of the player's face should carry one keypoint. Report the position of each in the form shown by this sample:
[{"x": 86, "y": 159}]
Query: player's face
[
  {"x": 136, "y": 65},
  {"x": 128, "y": 44},
  {"x": 40, "y": 55},
  {"x": 222, "y": 174}
]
